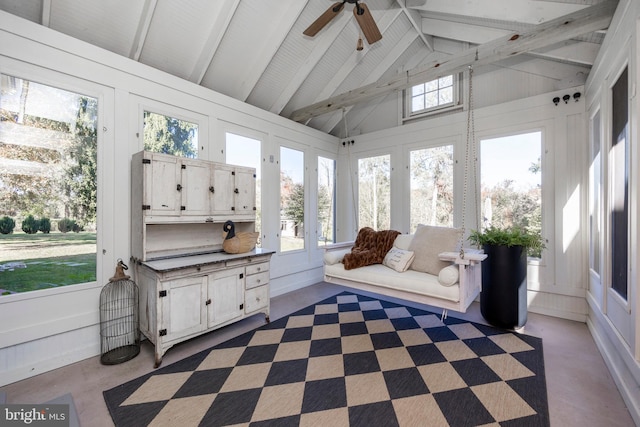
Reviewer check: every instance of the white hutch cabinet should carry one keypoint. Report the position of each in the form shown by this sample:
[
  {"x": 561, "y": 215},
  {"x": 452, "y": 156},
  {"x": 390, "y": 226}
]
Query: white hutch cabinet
[{"x": 188, "y": 284}]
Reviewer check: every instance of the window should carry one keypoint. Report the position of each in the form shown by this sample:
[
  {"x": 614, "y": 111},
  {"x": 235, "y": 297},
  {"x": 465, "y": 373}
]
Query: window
[
  {"x": 170, "y": 135},
  {"x": 374, "y": 192},
  {"x": 326, "y": 200},
  {"x": 291, "y": 199},
  {"x": 431, "y": 186},
  {"x": 619, "y": 185},
  {"x": 511, "y": 182},
  {"x": 595, "y": 185},
  {"x": 48, "y": 186},
  {"x": 432, "y": 95},
  {"x": 245, "y": 151}
]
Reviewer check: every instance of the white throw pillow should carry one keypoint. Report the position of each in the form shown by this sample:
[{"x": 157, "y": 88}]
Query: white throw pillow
[
  {"x": 449, "y": 276},
  {"x": 428, "y": 242},
  {"x": 398, "y": 259},
  {"x": 334, "y": 257},
  {"x": 403, "y": 241}
]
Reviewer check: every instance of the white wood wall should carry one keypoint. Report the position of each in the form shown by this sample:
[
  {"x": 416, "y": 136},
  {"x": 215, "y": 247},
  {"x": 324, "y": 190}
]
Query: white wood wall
[
  {"x": 43, "y": 330},
  {"x": 617, "y": 331}
]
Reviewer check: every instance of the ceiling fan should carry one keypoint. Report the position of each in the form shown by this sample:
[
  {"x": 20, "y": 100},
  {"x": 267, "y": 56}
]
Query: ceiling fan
[{"x": 360, "y": 11}]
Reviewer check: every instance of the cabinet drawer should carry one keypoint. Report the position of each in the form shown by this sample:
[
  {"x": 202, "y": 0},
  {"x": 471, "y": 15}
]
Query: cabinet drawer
[
  {"x": 256, "y": 299},
  {"x": 257, "y": 268},
  {"x": 254, "y": 280}
]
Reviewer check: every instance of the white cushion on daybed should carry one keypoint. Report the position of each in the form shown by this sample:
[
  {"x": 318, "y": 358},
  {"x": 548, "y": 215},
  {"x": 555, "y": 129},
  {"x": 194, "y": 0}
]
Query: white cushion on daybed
[
  {"x": 412, "y": 281},
  {"x": 334, "y": 257},
  {"x": 449, "y": 275}
]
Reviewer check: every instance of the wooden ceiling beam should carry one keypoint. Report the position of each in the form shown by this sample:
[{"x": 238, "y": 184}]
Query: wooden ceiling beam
[{"x": 584, "y": 21}]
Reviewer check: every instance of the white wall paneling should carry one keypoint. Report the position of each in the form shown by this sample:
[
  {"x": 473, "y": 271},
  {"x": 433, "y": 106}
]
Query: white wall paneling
[{"x": 43, "y": 330}]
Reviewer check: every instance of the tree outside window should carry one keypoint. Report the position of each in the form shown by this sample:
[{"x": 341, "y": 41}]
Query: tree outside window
[
  {"x": 431, "y": 186},
  {"x": 48, "y": 186},
  {"x": 292, "y": 197},
  {"x": 169, "y": 135},
  {"x": 511, "y": 182},
  {"x": 374, "y": 192}
]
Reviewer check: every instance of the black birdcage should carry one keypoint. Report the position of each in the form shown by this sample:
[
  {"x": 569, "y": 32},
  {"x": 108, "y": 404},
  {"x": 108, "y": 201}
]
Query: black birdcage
[{"x": 119, "y": 320}]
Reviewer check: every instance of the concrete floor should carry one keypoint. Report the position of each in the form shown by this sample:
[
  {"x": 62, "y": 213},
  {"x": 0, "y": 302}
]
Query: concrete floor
[{"x": 580, "y": 388}]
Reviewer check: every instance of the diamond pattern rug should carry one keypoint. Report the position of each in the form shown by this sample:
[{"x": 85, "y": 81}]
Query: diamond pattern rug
[{"x": 350, "y": 360}]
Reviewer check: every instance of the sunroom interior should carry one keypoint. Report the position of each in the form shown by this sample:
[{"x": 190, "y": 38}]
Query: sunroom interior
[{"x": 257, "y": 88}]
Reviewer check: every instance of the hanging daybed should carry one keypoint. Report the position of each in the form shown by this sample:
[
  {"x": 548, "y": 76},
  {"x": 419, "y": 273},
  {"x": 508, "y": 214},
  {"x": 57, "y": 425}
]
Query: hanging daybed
[
  {"x": 421, "y": 267},
  {"x": 430, "y": 267}
]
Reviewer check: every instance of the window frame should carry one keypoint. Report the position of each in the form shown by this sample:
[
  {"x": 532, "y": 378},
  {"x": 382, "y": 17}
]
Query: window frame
[
  {"x": 455, "y": 104},
  {"x": 305, "y": 156},
  {"x": 157, "y": 107},
  {"x": 546, "y": 183},
  {"x": 334, "y": 195},
  {"x": 105, "y": 224},
  {"x": 440, "y": 143},
  {"x": 356, "y": 181}
]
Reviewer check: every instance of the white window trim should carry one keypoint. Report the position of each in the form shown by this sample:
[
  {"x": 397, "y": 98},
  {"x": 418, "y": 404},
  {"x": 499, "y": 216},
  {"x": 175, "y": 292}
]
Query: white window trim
[
  {"x": 456, "y": 104},
  {"x": 158, "y": 107}
]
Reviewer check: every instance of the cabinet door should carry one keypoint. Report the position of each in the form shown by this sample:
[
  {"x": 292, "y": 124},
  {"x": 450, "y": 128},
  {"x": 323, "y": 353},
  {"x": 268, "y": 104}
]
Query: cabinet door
[
  {"x": 161, "y": 180},
  {"x": 227, "y": 297},
  {"x": 196, "y": 187},
  {"x": 224, "y": 186},
  {"x": 183, "y": 308},
  {"x": 245, "y": 191}
]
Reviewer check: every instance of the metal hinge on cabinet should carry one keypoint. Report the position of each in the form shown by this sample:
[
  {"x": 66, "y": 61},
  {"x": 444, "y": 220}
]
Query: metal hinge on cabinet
[
  {"x": 146, "y": 207},
  {"x": 242, "y": 275},
  {"x": 179, "y": 187},
  {"x": 183, "y": 208},
  {"x": 207, "y": 302},
  {"x": 162, "y": 332},
  {"x": 241, "y": 306},
  {"x": 163, "y": 293},
  {"x": 183, "y": 166},
  {"x": 146, "y": 161},
  {"x": 211, "y": 189}
]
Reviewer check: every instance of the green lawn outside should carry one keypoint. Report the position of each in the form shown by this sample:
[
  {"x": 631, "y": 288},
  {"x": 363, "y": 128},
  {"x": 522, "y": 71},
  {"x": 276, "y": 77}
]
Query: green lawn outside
[{"x": 51, "y": 260}]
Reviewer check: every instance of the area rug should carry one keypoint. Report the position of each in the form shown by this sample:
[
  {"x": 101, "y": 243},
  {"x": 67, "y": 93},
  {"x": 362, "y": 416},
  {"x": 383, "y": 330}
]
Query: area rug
[{"x": 350, "y": 360}]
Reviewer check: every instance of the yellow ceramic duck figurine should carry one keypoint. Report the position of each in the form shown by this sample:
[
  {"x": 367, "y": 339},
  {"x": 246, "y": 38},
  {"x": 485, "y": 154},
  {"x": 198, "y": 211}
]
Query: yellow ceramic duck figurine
[{"x": 237, "y": 243}]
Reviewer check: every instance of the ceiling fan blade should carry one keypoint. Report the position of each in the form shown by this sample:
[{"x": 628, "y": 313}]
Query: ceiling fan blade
[
  {"x": 324, "y": 19},
  {"x": 366, "y": 22}
]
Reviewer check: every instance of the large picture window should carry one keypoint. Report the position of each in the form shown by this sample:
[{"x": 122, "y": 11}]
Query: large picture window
[
  {"x": 326, "y": 200},
  {"x": 619, "y": 184},
  {"x": 292, "y": 199},
  {"x": 374, "y": 192},
  {"x": 431, "y": 186},
  {"x": 48, "y": 186},
  {"x": 245, "y": 151},
  {"x": 511, "y": 182}
]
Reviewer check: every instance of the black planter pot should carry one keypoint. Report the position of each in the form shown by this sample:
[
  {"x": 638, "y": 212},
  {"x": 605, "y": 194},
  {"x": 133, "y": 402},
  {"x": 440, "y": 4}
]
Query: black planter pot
[{"x": 503, "y": 301}]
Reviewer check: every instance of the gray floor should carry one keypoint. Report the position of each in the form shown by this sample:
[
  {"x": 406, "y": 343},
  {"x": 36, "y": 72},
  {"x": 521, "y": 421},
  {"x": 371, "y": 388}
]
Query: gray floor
[{"x": 580, "y": 389}]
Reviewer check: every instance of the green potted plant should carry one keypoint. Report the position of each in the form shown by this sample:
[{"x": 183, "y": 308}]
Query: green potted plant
[{"x": 503, "y": 301}]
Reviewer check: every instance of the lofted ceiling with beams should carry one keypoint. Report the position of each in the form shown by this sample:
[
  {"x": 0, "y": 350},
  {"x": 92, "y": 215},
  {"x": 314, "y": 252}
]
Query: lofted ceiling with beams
[{"x": 254, "y": 50}]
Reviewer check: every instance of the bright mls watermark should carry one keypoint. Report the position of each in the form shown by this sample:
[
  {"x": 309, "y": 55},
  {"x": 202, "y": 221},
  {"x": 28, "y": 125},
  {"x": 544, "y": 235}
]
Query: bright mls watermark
[{"x": 34, "y": 415}]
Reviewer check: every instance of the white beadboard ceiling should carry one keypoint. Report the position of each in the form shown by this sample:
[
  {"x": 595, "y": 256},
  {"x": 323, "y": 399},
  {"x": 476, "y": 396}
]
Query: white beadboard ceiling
[{"x": 254, "y": 50}]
